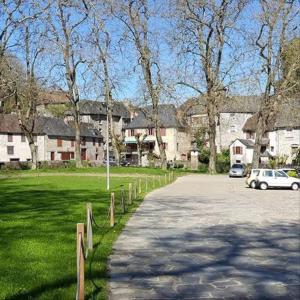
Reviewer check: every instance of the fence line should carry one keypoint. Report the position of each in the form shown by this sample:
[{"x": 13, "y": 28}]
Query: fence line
[
  {"x": 112, "y": 210},
  {"x": 80, "y": 262}
]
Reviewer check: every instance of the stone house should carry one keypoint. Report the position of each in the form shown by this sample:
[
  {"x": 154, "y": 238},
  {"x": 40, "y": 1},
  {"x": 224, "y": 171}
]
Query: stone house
[
  {"x": 233, "y": 113},
  {"x": 94, "y": 113},
  {"x": 175, "y": 135},
  {"x": 55, "y": 140},
  {"x": 283, "y": 137}
]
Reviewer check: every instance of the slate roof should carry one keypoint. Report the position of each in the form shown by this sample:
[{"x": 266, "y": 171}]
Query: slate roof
[
  {"x": 288, "y": 117},
  {"x": 230, "y": 104},
  {"x": 91, "y": 107},
  {"x": 45, "y": 125},
  {"x": 167, "y": 115},
  {"x": 247, "y": 143}
]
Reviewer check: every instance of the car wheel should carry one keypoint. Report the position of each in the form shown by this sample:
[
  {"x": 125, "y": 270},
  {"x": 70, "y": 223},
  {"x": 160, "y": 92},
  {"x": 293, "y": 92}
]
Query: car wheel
[
  {"x": 295, "y": 186},
  {"x": 253, "y": 184},
  {"x": 263, "y": 186}
]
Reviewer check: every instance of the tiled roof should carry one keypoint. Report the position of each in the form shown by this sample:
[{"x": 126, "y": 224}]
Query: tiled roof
[
  {"x": 45, "y": 125},
  {"x": 167, "y": 116},
  {"x": 53, "y": 97}
]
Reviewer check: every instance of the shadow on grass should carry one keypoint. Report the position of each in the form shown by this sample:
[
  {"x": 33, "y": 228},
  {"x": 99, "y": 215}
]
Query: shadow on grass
[{"x": 38, "y": 226}]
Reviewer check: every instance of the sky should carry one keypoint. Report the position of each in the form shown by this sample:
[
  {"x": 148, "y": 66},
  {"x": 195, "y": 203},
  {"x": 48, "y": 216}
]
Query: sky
[{"x": 126, "y": 73}]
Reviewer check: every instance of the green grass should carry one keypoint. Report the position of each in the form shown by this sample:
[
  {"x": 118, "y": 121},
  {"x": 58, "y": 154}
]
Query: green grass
[
  {"x": 38, "y": 217},
  {"x": 100, "y": 170}
]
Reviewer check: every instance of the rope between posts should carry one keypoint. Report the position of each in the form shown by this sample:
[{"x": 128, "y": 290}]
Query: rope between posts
[{"x": 93, "y": 221}]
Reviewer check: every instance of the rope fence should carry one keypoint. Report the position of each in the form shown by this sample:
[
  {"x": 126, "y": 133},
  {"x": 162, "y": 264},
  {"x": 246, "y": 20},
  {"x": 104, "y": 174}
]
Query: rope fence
[{"x": 126, "y": 197}]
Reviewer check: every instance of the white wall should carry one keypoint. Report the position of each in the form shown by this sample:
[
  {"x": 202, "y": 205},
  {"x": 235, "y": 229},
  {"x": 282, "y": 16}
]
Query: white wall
[
  {"x": 21, "y": 149},
  {"x": 245, "y": 157},
  {"x": 172, "y": 137}
]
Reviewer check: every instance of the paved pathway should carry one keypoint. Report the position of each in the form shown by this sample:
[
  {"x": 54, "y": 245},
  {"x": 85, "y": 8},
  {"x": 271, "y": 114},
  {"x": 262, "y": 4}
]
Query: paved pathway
[{"x": 206, "y": 237}]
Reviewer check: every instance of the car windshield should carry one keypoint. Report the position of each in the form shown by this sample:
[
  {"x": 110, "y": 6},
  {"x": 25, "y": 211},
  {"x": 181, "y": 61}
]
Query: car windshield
[{"x": 237, "y": 166}]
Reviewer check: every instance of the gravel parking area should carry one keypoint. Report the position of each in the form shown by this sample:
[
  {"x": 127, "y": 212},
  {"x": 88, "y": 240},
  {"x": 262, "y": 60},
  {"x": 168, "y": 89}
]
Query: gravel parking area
[{"x": 210, "y": 237}]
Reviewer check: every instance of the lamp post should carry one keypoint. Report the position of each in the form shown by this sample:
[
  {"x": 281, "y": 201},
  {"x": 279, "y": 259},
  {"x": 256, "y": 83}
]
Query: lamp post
[{"x": 107, "y": 151}]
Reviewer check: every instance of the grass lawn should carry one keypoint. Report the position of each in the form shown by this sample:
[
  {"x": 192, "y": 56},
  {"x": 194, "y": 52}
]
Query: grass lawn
[
  {"x": 38, "y": 217},
  {"x": 100, "y": 170}
]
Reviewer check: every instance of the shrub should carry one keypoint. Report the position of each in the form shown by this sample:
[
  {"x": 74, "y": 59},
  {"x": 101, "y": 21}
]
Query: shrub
[
  {"x": 292, "y": 174},
  {"x": 203, "y": 168},
  {"x": 223, "y": 161}
]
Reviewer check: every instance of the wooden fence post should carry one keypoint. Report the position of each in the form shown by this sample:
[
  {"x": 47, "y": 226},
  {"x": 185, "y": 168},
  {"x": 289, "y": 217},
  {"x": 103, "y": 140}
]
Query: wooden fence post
[
  {"x": 112, "y": 210},
  {"x": 146, "y": 184},
  {"x": 80, "y": 262},
  {"x": 89, "y": 227},
  {"x": 159, "y": 180},
  {"x": 169, "y": 177},
  {"x": 166, "y": 178},
  {"x": 140, "y": 186},
  {"x": 153, "y": 181},
  {"x": 130, "y": 193},
  {"x": 122, "y": 199},
  {"x": 135, "y": 190}
]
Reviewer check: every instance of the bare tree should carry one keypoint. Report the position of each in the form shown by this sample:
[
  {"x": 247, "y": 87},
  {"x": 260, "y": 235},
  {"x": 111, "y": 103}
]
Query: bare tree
[
  {"x": 204, "y": 33},
  {"x": 135, "y": 15},
  {"x": 66, "y": 20},
  {"x": 140, "y": 138},
  {"x": 100, "y": 40},
  {"x": 276, "y": 19},
  {"x": 16, "y": 84},
  {"x": 26, "y": 97}
]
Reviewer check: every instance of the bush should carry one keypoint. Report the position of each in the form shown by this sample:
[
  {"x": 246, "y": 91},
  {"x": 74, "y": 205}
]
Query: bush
[
  {"x": 203, "y": 168},
  {"x": 293, "y": 174},
  {"x": 204, "y": 156},
  {"x": 223, "y": 161}
]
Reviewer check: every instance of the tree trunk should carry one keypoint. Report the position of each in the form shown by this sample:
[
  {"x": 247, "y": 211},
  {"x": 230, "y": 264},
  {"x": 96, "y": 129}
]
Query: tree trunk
[
  {"x": 113, "y": 136},
  {"x": 212, "y": 137},
  {"x": 33, "y": 153},
  {"x": 162, "y": 152},
  {"x": 260, "y": 130},
  {"x": 77, "y": 140}
]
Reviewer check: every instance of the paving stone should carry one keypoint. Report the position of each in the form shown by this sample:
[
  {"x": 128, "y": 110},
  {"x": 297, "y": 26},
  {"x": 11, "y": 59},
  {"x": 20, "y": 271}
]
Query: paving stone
[{"x": 209, "y": 237}]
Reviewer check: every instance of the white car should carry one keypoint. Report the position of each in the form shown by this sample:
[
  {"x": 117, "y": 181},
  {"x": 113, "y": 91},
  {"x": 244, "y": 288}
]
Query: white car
[
  {"x": 251, "y": 178},
  {"x": 268, "y": 178}
]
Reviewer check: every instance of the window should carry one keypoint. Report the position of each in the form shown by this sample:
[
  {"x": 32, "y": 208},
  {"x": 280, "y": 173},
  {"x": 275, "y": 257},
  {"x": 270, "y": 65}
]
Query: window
[
  {"x": 177, "y": 146},
  {"x": 83, "y": 141},
  {"x": 237, "y": 166},
  {"x": 272, "y": 148},
  {"x": 165, "y": 145},
  {"x": 232, "y": 128},
  {"x": 163, "y": 131},
  {"x": 237, "y": 150},
  {"x": 10, "y": 150},
  {"x": 59, "y": 142},
  {"x": 72, "y": 143},
  {"x": 94, "y": 141},
  {"x": 100, "y": 141},
  {"x": 132, "y": 132},
  {"x": 150, "y": 131},
  {"x": 9, "y": 137},
  {"x": 23, "y": 138},
  {"x": 268, "y": 173},
  {"x": 289, "y": 133},
  {"x": 250, "y": 135},
  {"x": 280, "y": 174}
]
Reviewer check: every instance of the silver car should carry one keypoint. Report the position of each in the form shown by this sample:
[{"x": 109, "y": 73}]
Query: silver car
[{"x": 237, "y": 170}]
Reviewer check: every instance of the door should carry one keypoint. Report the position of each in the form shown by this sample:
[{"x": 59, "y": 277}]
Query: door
[
  {"x": 65, "y": 155},
  {"x": 83, "y": 154},
  {"x": 281, "y": 179},
  {"x": 52, "y": 155}
]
